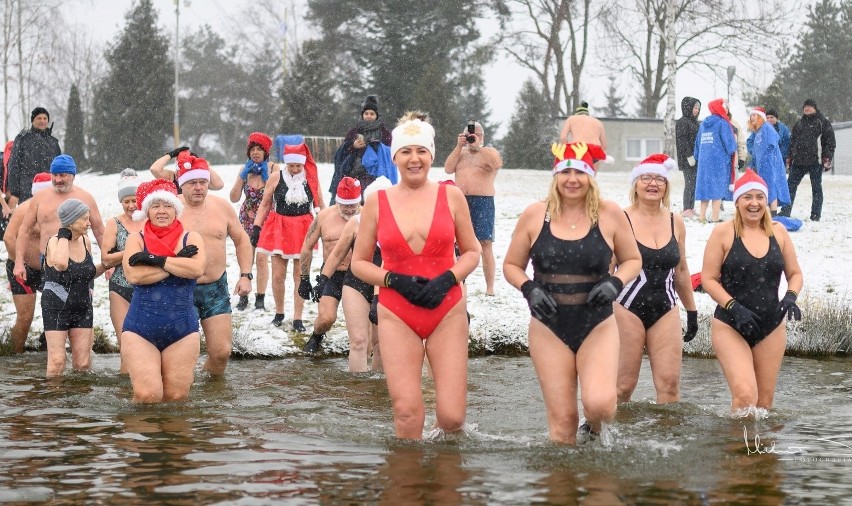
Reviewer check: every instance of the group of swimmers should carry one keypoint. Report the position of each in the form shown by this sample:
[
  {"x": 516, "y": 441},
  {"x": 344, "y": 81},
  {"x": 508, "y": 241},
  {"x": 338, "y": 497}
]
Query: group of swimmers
[{"x": 602, "y": 291}]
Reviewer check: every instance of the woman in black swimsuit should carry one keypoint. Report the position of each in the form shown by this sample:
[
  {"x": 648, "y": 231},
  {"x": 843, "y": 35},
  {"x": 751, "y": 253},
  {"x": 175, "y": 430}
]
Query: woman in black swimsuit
[
  {"x": 571, "y": 238},
  {"x": 647, "y": 314},
  {"x": 743, "y": 263}
]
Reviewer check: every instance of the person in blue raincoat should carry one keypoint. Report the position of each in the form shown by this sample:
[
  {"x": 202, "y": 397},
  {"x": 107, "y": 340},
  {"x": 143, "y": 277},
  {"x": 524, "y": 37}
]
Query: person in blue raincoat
[
  {"x": 714, "y": 147},
  {"x": 783, "y": 132},
  {"x": 766, "y": 158}
]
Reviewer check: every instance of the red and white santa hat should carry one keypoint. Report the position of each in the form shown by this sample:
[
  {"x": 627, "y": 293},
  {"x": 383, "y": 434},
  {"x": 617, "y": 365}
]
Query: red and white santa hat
[
  {"x": 41, "y": 181},
  {"x": 348, "y": 191},
  {"x": 577, "y": 155},
  {"x": 191, "y": 167},
  {"x": 749, "y": 181},
  {"x": 293, "y": 154},
  {"x": 760, "y": 111},
  {"x": 659, "y": 164},
  {"x": 150, "y": 191}
]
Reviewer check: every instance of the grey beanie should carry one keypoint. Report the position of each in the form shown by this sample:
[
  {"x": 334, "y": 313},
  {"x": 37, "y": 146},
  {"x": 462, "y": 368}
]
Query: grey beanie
[
  {"x": 70, "y": 211},
  {"x": 127, "y": 184}
]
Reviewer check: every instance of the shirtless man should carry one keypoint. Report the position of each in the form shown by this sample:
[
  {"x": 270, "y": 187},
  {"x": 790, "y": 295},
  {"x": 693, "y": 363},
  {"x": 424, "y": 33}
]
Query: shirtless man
[
  {"x": 24, "y": 292},
  {"x": 214, "y": 219},
  {"x": 42, "y": 215},
  {"x": 583, "y": 128},
  {"x": 475, "y": 166},
  {"x": 327, "y": 226}
]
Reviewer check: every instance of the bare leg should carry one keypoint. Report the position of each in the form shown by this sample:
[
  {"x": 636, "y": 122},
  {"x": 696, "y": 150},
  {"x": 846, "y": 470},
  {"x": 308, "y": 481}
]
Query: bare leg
[
  {"x": 717, "y": 207},
  {"x": 262, "y": 267},
  {"x": 55, "y": 352},
  {"x": 555, "y": 366},
  {"x": 768, "y": 355},
  {"x": 298, "y": 302},
  {"x": 446, "y": 350},
  {"x": 632, "y": 339},
  {"x": 218, "y": 334},
  {"x": 81, "y": 348},
  {"x": 117, "y": 312},
  {"x": 143, "y": 363},
  {"x": 737, "y": 362},
  {"x": 24, "y": 310},
  {"x": 488, "y": 266},
  {"x": 665, "y": 349},
  {"x": 703, "y": 211},
  {"x": 279, "y": 271},
  {"x": 356, "y": 311},
  {"x": 178, "y": 367},
  {"x": 597, "y": 371}
]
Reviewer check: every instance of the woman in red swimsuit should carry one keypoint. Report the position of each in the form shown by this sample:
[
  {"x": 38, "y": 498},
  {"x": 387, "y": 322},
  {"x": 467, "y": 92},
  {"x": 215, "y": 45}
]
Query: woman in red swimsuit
[{"x": 421, "y": 309}]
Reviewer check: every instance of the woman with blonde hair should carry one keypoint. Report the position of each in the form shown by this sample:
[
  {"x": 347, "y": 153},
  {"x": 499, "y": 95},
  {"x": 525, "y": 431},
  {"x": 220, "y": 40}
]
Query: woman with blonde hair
[
  {"x": 571, "y": 238},
  {"x": 744, "y": 261},
  {"x": 767, "y": 160}
]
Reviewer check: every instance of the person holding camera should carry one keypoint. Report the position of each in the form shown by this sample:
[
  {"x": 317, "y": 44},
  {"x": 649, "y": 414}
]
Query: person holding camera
[
  {"x": 369, "y": 130},
  {"x": 475, "y": 167}
]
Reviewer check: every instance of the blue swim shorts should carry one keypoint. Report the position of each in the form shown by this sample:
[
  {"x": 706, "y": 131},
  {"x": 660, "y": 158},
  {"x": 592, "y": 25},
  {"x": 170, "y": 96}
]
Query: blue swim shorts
[
  {"x": 212, "y": 299},
  {"x": 482, "y": 216}
]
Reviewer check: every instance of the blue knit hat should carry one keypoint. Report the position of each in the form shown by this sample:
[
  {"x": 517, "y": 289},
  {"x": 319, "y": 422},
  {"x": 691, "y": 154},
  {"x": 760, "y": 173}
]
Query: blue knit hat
[{"x": 63, "y": 164}]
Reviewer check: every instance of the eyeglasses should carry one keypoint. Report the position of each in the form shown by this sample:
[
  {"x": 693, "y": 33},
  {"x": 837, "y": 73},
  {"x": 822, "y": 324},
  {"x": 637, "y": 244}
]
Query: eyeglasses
[{"x": 647, "y": 178}]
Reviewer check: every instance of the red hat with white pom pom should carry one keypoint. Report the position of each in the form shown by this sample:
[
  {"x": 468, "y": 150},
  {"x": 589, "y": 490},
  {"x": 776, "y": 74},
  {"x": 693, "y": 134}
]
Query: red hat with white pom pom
[
  {"x": 659, "y": 164},
  {"x": 151, "y": 191}
]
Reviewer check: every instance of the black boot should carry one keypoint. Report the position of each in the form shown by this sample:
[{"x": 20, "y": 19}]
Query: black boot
[
  {"x": 258, "y": 301},
  {"x": 314, "y": 344},
  {"x": 243, "y": 303},
  {"x": 298, "y": 326},
  {"x": 278, "y": 320}
]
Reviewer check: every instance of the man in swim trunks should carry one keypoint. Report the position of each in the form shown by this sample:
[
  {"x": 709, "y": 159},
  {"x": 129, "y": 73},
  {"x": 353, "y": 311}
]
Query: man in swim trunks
[
  {"x": 24, "y": 291},
  {"x": 475, "y": 166},
  {"x": 327, "y": 226},
  {"x": 214, "y": 219}
]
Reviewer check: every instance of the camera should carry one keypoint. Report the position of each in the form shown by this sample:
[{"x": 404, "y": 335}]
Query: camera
[{"x": 471, "y": 127}]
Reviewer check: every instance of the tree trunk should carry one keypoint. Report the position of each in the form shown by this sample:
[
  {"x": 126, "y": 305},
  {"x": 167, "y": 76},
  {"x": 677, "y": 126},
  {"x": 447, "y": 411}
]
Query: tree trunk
[{"x": 671, "y": 76}]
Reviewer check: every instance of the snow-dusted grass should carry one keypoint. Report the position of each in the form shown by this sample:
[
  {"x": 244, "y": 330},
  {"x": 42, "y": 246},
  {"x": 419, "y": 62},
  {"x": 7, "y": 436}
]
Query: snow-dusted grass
[{"x": 499, "y": 323}]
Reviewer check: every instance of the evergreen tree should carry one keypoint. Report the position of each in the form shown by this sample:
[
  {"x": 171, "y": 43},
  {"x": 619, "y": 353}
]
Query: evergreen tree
[
  {"x": 614, "y": 102},
  {"x": 527, "y": 143},
  {"x": 133, "y": 104},
  {"x": 74, "y": 134}
]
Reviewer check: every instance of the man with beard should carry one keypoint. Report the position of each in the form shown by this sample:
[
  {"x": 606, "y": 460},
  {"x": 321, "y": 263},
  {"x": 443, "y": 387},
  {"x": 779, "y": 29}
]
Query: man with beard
[
  {"x": 475, "y": 166},
  {"x": 32, "y": 152},
  {"x": 328, "y": 226},
  {"x": 42, "y": 213},
  {"x": 214, "y": 219}
]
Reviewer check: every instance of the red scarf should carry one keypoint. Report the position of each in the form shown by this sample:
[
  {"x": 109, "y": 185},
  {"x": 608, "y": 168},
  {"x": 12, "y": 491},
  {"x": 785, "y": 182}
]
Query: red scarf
[{"x": 162, "y": 240}]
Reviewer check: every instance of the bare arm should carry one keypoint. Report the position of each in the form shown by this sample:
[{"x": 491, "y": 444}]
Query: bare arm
[
  {"x": 341, "y": 248},
  {"x": 566, "y": 129},
  {"x": 109, "y": 242},
  {"x": 714, "y": 255},
  {"x": 465, "y": 236},
  {"x": 365, "y": 243},
  {"x": 307, "y": 254},
  {"x": 10, "y": 238},
  {"x": 237, "y": 190},
  {"x": 6, "y": 210},
  {"x": 22, "y": 241},
  {"x": 216, "y": 181},
  {"x": 682, "y": 280},
  {"x": 159, "y": 170},
  {"x": 266, "y": 202},
  {"x": 492, "y": 158},
  {"x": 453, "y": 158},
  {"x": 792, "y": 271},
  {"x": 189, "y": 268},
  {"x": 57, "y": 253},
  {"x": 603, "y": 137},
  {"x": 96, "y": 221},
  {"x": 518, "y": 255},
  {"x": 624, "y": 243}
]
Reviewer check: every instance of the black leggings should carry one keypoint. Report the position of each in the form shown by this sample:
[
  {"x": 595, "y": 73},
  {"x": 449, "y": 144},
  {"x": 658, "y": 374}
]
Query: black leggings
[{"x": 689, "y": 176}]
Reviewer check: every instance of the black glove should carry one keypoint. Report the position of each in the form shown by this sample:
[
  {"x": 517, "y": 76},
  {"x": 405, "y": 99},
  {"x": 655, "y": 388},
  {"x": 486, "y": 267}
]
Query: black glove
[
  {"x": 605, "y": 291},
  {"x": 542, "y": 305},
  {"x": 64, "y": 233},
  {"x": 407, "y": 286},
  {"x": 113, "y": 250},
  {"x": 145, "y": 258},
  {"x": 435, "y": 290},
  {"x": 322, "y": 279},
  {"x": 374, "y": 310},
  {"x": 188, "y": 251},
  {"x": 788, "y": 306},
  {"x": 747, "y": 323},
  {"x": 741, "y": 165},
  {"x": 691, "y": 326},
  {"x": 306, "y": 291},
  {"x": 173, "y": 153},
  {"x": 254, "y": 236}
]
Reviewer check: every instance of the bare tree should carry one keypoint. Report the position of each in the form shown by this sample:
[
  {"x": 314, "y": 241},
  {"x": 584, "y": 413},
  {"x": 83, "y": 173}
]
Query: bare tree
[{"x": 541, "y": 36}]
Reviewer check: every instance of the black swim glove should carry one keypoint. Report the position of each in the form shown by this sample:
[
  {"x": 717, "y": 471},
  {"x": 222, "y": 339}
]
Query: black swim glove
[
  {"x": 306, "y": 291},
  {"x": 407, "y": 286},
  {"x": 789, "y": 307},
  {"x": 747, "y": 323},
  {"x": 145, "y": 258},
  {"x": 173, "y": 153},
  {"x": 691, "y": 326},
  {"x": 374, "y": 310},
  {"x": 187, "y": 251},
  {"x": 64, "y": 233},
  {"x": 605, "y": 291},
  {"x": 542, "y": 305},
  {"x": 254, "y": 236},
  {"x": 435, "y": 290},
  {"x": 322, "y": 279}
]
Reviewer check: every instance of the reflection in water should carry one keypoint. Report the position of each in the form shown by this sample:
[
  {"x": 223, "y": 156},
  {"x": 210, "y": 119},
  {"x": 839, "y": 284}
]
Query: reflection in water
[{"x": 420, "y": 475}]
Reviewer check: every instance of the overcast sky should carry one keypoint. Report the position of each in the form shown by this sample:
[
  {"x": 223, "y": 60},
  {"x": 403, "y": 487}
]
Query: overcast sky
[{"x": 503, "y": 79}]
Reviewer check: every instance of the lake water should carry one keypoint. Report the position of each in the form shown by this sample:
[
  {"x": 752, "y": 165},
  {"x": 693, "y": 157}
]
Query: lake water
[{"x": 303, "y": 431}]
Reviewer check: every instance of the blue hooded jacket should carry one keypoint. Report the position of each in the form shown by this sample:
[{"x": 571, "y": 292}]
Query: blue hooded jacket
[{"x": 714, "y": 147}]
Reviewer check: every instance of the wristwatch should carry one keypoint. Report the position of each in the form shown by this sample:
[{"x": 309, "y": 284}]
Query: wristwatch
[{"x": 247, "y": 275}]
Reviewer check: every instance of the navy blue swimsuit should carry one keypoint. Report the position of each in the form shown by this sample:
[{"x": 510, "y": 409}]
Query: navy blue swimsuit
[{"x": 163, "y": 312}]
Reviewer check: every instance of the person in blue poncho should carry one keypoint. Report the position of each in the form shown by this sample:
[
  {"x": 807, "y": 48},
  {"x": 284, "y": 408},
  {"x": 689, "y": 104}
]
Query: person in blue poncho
[
  {"x": 783, "y": 132},
  {"x": 714, "y": 147},
  {"x": 766, "y": 158},
  {"x": 369, "y": 130}
]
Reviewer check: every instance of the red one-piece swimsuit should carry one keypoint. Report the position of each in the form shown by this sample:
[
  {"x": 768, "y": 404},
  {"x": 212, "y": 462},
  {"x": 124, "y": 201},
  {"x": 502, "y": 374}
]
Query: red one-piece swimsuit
[{"x": 437, "y": 256}]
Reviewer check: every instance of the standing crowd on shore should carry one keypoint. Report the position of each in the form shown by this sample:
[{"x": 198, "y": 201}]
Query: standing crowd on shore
[{"x": 397, "y": 248}]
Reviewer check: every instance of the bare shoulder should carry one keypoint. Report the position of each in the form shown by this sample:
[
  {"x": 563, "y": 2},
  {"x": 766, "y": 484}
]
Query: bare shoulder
[
  {"x": 610, "y": 209},
  {"x": 723, "y": 232},
  {"x": 533, "y": 213},
  {"x": 221, "y": 204},
  {"x": 781, "y": 233}
]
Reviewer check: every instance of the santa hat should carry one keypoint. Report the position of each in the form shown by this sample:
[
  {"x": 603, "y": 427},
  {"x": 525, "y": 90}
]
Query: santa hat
[
  {"x": 191, "y": 167},
  {"x": 348, "y": 191},
  {"x": 307, "y": 159},
  {"x": 41, "y": 181},
  {"x": 760, "y": 111},
  {"x": 150, "y": 191},
  {"x": 749, "y": 181},
  {"x": 413, "y": 132},
  {"x": 658, "y": 163},
  {"x": 127, "y": 184},
  {"x": 577, "y": 155},
  {"x": 259, "y": 139}
]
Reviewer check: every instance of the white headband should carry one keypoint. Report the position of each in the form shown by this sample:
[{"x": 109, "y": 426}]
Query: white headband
[
  {"x": 751, "y": 185},
  {"x": 570, "y": 163}
]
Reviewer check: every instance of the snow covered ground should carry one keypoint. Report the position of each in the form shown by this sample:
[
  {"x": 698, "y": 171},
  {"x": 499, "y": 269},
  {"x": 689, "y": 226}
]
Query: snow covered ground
[{"x": 501, "y": 321}]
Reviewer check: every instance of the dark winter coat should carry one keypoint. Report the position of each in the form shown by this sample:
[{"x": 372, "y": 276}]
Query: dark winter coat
[
  {"x": 686, "y": 129},
  {"x": 32, "y": 153},
  {"x": 810, "y": 130}
]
